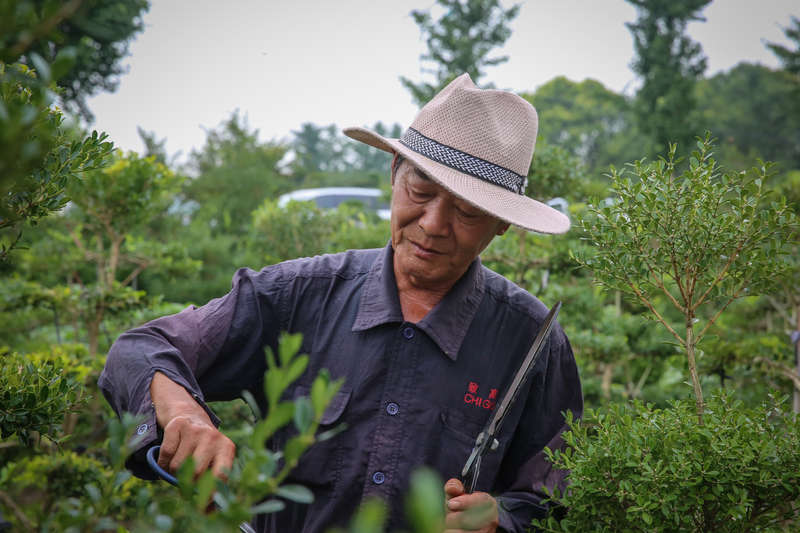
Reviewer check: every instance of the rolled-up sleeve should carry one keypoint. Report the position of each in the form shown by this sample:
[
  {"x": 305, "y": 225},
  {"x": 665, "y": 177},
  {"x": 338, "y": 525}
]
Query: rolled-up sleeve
[
  {"x": 525, "y": 472},
  {"x": 214, "y": 351}
]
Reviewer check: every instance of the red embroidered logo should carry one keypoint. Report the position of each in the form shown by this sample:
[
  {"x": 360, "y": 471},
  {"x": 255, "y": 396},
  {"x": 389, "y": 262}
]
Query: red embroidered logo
[{"x": 472, "y": 398}]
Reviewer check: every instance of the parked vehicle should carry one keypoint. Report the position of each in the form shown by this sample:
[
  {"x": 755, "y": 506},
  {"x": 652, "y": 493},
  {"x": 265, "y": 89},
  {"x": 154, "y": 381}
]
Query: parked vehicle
[{"x": 332, "y": 197}]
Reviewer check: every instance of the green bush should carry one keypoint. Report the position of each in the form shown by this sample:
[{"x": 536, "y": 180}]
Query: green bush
[
  {"x": 638, "y": 468},
  {"x": 35, "y": 397}
]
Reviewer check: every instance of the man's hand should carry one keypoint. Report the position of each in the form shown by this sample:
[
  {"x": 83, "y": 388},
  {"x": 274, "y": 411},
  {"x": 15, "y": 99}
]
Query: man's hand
[
  {"x": 469, "y": 512},
  {"x": 188, "y": 431}
]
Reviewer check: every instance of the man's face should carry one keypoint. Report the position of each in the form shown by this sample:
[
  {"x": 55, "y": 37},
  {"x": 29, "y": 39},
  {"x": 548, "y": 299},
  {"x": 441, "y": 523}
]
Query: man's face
[{"x": 435, "y": 235}]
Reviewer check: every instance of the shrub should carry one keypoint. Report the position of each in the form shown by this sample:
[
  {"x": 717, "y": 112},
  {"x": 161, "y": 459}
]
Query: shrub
[{"x": 637, "y": 468}]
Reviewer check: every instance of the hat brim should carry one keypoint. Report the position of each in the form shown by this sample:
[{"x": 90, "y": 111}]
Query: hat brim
[{"x": 516, "y": 209}]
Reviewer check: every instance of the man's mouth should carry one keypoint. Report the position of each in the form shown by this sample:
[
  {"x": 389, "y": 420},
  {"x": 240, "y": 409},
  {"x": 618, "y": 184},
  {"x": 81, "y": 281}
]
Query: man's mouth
[{"x": 423, "y": 251}]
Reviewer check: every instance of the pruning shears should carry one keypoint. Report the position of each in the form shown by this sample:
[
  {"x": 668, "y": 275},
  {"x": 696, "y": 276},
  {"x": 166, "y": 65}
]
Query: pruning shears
[
  {"x": 486, "y": 440},
  {"x": 152, "y": 460}
]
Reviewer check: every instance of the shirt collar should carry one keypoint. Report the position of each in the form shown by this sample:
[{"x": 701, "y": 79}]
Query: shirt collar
[{"x": 446, "y": 324}]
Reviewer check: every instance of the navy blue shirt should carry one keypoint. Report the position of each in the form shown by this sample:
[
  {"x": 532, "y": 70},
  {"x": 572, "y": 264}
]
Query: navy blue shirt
[{"x": 414, "y": 393}]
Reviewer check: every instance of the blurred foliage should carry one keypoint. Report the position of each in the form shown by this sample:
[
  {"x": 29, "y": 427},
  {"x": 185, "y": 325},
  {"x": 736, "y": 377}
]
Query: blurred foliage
[
  {"x": 234, "y": 172},
  {"x": 302, "y": 229},
  {"x": 460, "y": 40},
  {"x": 638, "y": 468},
  {"x": 764, "y": 100},
  {"x": 790, "y": 59},
  {"x": 590, "y": 121},
  {"x": 93, "y": 34},
  {"x": 669, "y": 64}
]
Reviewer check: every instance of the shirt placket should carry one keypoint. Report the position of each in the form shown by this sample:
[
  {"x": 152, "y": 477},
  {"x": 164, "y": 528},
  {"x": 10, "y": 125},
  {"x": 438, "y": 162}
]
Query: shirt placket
[{"x": 381, "y": 478}]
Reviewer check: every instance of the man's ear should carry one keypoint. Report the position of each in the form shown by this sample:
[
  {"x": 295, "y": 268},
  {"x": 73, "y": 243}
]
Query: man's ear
[{"x": 503, "y": 228}]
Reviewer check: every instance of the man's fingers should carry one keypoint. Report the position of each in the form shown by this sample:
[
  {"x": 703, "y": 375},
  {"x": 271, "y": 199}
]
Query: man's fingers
[
  {"x": 223, "y": 461},
  {"x": 168, "y": 448},
  {"x": 453, "y": 488},
  {"x": 203, "y": 457},
  {"x": 472, "y": 512},
  {"x": 189, "y": 436},
  {"x": 471, "y": 519}
]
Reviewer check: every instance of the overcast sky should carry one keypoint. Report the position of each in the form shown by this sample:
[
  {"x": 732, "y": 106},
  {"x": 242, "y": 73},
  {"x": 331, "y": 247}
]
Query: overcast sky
[{"x": 286, "y": 62}]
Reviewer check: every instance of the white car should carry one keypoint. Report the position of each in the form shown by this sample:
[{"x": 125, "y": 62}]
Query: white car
[{"x": 331, "y": 197}]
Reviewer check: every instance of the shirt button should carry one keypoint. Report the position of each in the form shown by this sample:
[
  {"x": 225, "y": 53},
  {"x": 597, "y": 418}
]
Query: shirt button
[
  {"x": 408, "y": 333},
  {"x": 141, "y": 430},
  {"x": 392, "y": 408},
  {"x": 378, "y": 478}
]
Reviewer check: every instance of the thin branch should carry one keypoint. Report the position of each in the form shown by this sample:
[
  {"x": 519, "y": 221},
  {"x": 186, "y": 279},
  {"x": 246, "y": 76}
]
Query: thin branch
[
  {"x": 783, "y": 370},
  {"x": 28, "y": 38},
  {"x": 28, "y": 525},
  {"x": 85, "y": 251},
  {"x": 661, "y": 319},
  {"x": 781, "y": 309},
  {"x": 721, "y": 274},
  {"x": 719, "y": 312},
  {"x": 660, "y": 283},
  {"x": 138, "y": 270}
]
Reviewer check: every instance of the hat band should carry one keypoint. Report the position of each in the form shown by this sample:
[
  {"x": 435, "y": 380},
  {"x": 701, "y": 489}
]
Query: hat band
[{"x": 463, "y": 162}]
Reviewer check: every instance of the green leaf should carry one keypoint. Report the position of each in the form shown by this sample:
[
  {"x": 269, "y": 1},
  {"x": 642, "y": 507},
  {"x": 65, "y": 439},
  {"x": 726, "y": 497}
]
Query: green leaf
[
  {"x": 277, "y": 417},
  {"x": 63, "y": 62},
  {"x": 289, "y": 345},
  {"x": 296, "y": 368},
  {"x": 295, "y": 493},
  {"x": 303, "y": 414},
  {"x": 41, "y": 67},
  {"x": 267, "y": 507}
]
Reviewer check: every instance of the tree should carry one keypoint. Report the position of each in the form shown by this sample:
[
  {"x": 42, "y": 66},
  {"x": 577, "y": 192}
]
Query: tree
[
  {"x": 739, "y": 105},
  {"x": 317, "y": 149},
  {"x": 38, "y": 155},
  {"x": 790, "y": 59},
  {"x": 107, "y": 228},
  {"x": 700, "y": 239},
  {"x": 587, "y": 119},
  {"x": 95, "y": 32},
  {"x": 235, "y": 172},
  {"x": 460, "y": 41},
  {"x": 668, "y": 63}
]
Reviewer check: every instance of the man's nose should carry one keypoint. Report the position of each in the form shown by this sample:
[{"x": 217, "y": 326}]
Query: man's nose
[{"x": 435, "y": 220}]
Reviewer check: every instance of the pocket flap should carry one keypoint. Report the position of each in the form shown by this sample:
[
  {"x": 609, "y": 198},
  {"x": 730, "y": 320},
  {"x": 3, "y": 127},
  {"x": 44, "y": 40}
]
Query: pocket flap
[{"x": 335, "y": 409}]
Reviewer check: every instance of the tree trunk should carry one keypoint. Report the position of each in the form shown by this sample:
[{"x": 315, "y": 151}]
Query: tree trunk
[
  {"x": 608, "y": 373},
  {"x": 55, "y": 321},
  {"x": 698, "y": 391},
  {"x": 93, "y": 331},
  {"x": 796, "y": 403}
]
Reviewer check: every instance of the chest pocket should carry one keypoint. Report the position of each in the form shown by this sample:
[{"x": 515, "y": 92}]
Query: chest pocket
[
  {"x": 457, "y": 434},
  {"x": 320, "y": 465}
]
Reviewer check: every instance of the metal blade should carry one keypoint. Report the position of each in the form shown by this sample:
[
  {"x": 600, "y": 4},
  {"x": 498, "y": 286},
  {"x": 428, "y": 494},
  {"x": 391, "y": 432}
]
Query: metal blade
[{"x": 485, "y": 440}]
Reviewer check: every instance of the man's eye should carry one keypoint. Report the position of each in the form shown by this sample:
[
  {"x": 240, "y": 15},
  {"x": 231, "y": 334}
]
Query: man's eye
[
  {"x": 468, "y": 215},
  {"x": 419, "y": 195}
]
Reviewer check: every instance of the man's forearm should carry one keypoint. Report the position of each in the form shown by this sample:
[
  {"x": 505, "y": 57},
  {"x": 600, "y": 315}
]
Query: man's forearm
[{"x": 170, "y": 400}]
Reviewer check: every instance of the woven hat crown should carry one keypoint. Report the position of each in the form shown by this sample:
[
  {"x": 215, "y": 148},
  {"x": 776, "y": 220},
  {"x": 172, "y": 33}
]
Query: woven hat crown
[{"x": 497, "y": 126}]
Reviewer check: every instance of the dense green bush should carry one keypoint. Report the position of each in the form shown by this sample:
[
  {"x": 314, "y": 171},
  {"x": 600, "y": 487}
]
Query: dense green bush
[
  {"x": 638, "y": 468},
  {"x": 36, "y": 394}
]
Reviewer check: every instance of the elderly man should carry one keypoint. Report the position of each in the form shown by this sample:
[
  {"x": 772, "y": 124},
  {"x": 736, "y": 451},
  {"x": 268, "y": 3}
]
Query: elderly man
[{"x": 425, "y": 337}]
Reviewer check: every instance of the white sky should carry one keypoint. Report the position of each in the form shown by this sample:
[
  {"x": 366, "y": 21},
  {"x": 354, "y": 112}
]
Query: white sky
[{"x": 286, "y": 62}]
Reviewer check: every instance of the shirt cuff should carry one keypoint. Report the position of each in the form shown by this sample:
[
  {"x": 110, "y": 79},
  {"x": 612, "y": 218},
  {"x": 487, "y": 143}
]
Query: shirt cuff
[{"x": 148, "y": 434}]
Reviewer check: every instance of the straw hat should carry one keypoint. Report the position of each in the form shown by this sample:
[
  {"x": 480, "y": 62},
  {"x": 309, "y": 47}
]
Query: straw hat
[{"x": 478, "y": 144}]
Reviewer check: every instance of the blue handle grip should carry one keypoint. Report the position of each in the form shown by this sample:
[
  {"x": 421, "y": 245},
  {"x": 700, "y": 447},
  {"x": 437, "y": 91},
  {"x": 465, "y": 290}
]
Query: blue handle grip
[{"x": 152, "y": 460}]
